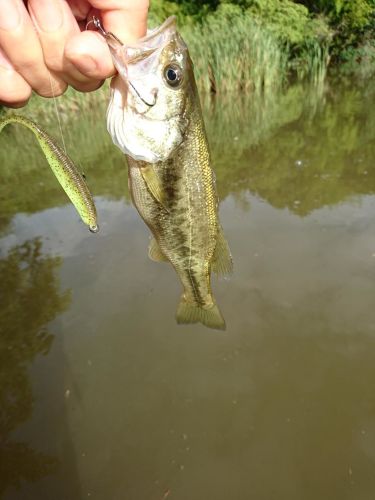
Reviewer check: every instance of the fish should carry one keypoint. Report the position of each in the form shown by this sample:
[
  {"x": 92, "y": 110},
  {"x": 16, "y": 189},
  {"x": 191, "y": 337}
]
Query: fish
[
  {"x": 69, "y": 177},
  {"x": 155, "y": 118}
]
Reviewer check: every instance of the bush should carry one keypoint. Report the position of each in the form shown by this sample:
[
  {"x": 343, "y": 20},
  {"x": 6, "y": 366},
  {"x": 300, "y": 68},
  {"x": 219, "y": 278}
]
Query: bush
[{"x": 314, "y": 32}]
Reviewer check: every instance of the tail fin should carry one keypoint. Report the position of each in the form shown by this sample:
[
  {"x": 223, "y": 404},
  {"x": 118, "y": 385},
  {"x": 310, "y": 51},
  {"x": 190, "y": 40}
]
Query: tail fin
[{"x": 188, "y": 312}]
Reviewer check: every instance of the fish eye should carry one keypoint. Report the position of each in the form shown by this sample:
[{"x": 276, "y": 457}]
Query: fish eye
[{"x": 173, "y": 75}]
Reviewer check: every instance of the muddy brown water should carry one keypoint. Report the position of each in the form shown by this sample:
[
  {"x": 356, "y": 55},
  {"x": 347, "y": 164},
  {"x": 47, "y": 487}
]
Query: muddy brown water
[{"x": 103, "y": 396}]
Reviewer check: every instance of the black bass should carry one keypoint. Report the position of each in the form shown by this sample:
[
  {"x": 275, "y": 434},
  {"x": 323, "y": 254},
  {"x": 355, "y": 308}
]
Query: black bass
[
  {"x": 64, "y": 169},
  {"x": 155, "y": 118}
]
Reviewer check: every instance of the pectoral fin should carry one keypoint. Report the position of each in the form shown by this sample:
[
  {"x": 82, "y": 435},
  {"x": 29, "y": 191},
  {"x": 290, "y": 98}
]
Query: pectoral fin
[
  {"x": 155, "y": 253},
  {"x": 222, "y": 262},
  {"x": 153, "y": 184}
]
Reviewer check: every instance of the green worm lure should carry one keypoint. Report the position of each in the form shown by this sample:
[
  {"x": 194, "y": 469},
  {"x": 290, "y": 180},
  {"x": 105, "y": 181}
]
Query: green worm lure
[{"x": 64, "y": 169}]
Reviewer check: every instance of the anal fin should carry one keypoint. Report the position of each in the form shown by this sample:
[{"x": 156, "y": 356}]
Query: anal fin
[{"x": 222, "y": 262}]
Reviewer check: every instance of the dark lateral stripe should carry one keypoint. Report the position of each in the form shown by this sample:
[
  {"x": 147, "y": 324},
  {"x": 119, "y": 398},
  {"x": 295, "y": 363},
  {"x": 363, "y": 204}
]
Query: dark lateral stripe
[{"x": 195, "y": 288}]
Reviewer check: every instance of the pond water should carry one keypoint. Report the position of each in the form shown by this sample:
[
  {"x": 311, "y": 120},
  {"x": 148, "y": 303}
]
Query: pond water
[{"x": 104, "y": 396}]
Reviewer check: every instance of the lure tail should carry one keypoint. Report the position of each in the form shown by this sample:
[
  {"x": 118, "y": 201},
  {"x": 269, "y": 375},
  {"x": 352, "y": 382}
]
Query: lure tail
[
  {"x": 64, "y": 169},
  {"x": 189, "y": 312}
]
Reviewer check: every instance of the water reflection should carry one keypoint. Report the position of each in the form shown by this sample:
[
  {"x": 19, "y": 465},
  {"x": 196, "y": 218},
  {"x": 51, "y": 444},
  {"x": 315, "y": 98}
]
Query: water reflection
[
  {"x": 29, "y": 299},
  {"x": 302, "y": 149},
  {"x": 282, "y": 404},
  {"x": 29, "y": 186}
]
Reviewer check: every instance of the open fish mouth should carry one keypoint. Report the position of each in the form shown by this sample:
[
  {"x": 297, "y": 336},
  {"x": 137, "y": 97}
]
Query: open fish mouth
[
  {"x": 146, "y": 45},
  {"x": 152, "y": 38},
  {"x": 142, "y": 49},
  {"x": 144, "y": 116}
]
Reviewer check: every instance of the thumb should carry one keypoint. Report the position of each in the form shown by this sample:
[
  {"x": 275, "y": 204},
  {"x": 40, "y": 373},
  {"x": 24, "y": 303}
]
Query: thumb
[{"x": 127, "y": 19}]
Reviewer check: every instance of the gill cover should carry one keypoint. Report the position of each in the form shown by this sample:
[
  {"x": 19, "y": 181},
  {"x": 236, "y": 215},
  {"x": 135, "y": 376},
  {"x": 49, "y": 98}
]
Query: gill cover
[{"x": 145, "y": 116}]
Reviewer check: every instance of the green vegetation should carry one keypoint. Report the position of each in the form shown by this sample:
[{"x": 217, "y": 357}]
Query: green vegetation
[
  {"x": 250, "y": 49},
  {"x": 30, "y": 298},
  {"x": 246, "y": 58},
  {"x": 259, "y": 44},
  {"x": 304, "y": 149}
]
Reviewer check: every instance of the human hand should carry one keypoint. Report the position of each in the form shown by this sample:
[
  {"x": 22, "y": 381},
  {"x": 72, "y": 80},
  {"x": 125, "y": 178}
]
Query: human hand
[{"x": 42, "y": 47}]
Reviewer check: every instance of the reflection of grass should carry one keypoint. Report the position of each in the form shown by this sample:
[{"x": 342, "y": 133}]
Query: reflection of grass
[
  {"x": 28, "y": 185},
  {"x": 29, "y": 300},
  {"x": 255, "y": 141},
  {"x": 313, "y": 149}
]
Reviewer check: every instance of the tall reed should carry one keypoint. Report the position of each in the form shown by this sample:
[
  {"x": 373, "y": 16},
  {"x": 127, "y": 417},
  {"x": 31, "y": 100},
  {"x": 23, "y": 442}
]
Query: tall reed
[
  {"x": 312, "y": 63},
  {"x": 233, "y": 53}
]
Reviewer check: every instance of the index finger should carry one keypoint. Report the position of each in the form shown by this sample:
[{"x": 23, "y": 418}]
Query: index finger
[
  {"x": 127, "y": 19},
  {"x": 88, "y": 51}
]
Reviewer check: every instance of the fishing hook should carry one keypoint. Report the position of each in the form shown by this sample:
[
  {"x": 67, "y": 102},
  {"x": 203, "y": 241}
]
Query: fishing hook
[
  {"x": 107, "y": 34},
  {"x": 98, "y": 25}
]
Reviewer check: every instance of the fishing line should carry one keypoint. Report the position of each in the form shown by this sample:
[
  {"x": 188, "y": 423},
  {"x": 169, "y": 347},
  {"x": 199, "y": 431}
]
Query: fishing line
[{"x": 57, "y": 112}]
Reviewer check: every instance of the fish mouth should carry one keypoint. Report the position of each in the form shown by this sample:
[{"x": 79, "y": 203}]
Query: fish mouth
[
  {"x": 154, "y": 34},
  {"x": 145, "y": 46},
  {"x": 125, "y": 56}
]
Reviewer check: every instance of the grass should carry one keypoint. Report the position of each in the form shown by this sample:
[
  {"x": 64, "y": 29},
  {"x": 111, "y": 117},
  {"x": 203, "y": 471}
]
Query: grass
[
  {"x": 234, "y": 53},
  {"x": 255, "y": 49},
  {"x": 232, "y": 50}
]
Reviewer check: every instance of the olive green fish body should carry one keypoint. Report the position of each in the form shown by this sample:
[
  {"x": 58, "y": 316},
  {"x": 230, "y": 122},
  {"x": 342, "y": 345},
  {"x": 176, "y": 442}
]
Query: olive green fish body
[
  {"x": 155, "y": 118},
  {"x": 185, "y": 226},
  {"x": 63, "y": 168}
]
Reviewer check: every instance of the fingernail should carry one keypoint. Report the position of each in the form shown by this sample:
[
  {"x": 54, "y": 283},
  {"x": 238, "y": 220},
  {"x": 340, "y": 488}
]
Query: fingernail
[
  {"x": 10, "y": 15},
  {"x": 48, "y": 16},
  {"x": 86, "y": 64}
]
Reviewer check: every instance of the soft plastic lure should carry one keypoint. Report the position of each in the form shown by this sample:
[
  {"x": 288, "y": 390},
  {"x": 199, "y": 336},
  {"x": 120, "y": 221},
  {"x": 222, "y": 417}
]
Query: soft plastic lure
[{"x": 64, "y": 169}]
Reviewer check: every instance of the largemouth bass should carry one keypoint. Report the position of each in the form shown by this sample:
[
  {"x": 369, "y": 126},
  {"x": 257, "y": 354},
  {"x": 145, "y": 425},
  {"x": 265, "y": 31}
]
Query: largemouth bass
[
  {"x": 64, "y": 169},
  {"x": 155, "y": 118}
]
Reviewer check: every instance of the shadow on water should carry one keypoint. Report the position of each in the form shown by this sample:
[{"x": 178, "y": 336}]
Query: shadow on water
[{"x": 29, "y": 300}]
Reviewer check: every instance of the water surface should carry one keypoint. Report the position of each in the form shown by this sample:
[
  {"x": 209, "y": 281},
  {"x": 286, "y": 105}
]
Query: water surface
[{"x": 103, "y": 396}]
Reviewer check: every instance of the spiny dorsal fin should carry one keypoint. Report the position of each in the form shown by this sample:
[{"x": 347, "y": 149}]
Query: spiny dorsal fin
[{"x": 222, "y": 262}]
